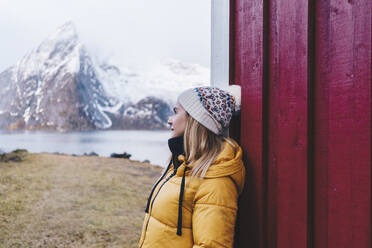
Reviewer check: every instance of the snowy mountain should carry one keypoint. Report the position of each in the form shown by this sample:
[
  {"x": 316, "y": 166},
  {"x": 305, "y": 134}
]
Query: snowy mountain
[
  {"x": 148, "y": 113},
  {"x": 165, "y": 80},
  {"x": 58, "y": 86}
]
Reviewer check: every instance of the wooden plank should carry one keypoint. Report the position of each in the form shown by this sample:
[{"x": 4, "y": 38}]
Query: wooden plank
[
  {"x": 343, "y": 124},
  {"x": 246, "y": 64},
  {"x": 287, "y": 129}
]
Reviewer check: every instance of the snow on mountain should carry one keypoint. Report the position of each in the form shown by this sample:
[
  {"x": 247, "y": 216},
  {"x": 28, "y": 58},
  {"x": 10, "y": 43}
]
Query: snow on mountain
[
  {"x": 59, "y": 86},
  {"x": 60, "y": 51},
  {"x": 165, "y": 80},
  {"x": 148, "y": 113},
  {"x": 54, "y": 87}
]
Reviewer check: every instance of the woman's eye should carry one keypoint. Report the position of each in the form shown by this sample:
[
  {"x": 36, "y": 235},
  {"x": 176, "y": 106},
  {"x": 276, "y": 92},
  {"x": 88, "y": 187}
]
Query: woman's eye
[{"x": 174, "y": 110}]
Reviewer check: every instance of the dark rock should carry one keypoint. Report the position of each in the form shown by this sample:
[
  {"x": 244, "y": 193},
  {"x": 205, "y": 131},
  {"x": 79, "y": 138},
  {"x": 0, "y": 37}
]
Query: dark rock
[
  {"x": 123, "y": 155},
  {"x": 17, "y": 155},
  {"x": 19, "y": 151},
  {"x": 57, "y": 153}
]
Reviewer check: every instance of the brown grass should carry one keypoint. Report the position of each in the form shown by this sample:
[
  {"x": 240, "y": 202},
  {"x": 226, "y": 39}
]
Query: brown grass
[{"x": 53, "y": 200}]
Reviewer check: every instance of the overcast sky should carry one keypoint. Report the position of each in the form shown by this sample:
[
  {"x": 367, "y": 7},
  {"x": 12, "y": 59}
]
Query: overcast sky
[{"x": 131, "y": 32}]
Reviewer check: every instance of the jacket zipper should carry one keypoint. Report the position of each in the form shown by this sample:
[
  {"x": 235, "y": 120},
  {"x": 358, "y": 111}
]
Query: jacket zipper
[{"x": 152, "y": 203}]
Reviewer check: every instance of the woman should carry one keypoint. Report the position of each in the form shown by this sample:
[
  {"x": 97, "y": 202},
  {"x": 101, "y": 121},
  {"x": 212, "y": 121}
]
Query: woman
[{"x": 194, "y": 202}]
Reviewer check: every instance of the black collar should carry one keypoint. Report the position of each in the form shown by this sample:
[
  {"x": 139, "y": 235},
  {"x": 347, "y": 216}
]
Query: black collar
[
  {"x": 176, "y": 145},
  {"x": 177, "y": 148}
]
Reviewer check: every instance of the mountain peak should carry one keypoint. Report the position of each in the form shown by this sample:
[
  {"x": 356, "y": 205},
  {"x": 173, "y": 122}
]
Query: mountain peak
[
  {"x": 60, "y": 49},
  {"x": 65, "y": 32},
  {"x": 69, "y": 25}
]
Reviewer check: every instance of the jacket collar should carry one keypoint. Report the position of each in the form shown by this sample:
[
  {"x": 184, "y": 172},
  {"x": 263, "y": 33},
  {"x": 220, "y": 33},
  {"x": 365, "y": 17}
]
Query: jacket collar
[{"x": 176, "y": 146}]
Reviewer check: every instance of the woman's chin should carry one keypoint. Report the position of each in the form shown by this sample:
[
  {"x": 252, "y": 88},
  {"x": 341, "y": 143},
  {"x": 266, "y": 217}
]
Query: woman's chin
[{"x": 174, "y": 134}]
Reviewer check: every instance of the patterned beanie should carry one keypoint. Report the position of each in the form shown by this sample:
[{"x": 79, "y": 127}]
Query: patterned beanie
[{"x": 211, "y": 106}]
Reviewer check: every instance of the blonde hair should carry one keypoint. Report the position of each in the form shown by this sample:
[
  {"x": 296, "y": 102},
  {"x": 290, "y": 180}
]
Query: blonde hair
[{"x": 201, "y": 146}]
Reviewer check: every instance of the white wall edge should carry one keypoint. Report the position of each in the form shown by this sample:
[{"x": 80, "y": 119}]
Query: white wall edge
[{"x": 220, "y": 25}]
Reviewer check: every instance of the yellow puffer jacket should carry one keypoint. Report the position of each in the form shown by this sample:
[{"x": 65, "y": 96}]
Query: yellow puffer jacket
[{"x": 209, "y": 205}]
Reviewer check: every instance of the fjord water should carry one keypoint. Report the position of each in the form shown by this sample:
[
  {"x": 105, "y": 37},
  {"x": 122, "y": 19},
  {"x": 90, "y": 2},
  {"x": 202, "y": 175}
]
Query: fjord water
[{"x": 142, "y": 145}]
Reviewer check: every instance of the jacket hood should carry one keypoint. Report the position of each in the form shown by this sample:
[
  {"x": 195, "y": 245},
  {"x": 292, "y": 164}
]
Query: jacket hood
[{"x": 228, "y": 163}]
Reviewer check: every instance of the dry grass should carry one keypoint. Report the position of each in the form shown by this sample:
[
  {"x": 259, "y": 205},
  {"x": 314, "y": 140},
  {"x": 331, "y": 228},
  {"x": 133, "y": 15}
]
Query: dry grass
[{"x": 53, "y": 200}]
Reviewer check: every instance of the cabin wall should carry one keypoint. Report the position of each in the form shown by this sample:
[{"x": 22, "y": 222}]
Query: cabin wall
[{"x": 305, "y": 125}]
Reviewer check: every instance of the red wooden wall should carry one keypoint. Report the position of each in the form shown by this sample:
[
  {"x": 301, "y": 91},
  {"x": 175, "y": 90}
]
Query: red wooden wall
[{"x": 305, "y": 125}]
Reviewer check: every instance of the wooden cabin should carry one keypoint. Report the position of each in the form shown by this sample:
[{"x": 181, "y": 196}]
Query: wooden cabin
[{"x": 305, "y": 125}]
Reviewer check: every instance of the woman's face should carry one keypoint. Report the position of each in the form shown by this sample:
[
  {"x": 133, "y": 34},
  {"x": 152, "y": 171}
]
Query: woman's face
[{"x": 177, "y": 121}]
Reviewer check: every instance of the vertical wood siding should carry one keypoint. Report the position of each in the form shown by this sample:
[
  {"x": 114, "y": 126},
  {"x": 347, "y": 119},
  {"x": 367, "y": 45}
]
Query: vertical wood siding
[
  {"x": 305, "y": 125},
  {"x": 246, "y": 65},
  {"x": 342, "y": 122}
]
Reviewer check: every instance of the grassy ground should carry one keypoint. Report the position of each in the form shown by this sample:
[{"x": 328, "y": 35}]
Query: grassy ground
[{"x": 53, "y": 200}]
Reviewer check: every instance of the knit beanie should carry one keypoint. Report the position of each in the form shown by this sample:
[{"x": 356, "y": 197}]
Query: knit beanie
[{"x": 211, "y": 106}]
